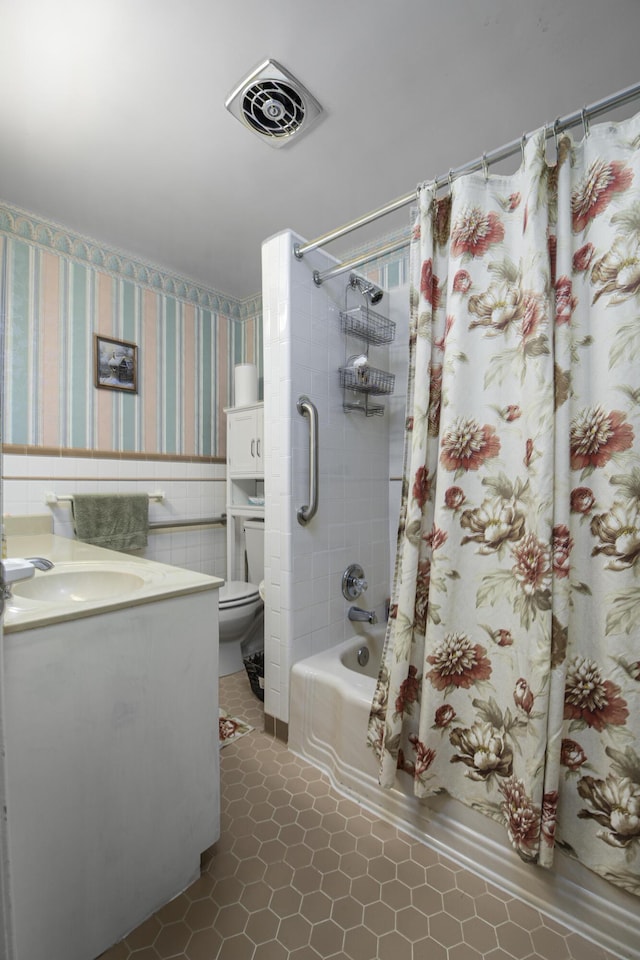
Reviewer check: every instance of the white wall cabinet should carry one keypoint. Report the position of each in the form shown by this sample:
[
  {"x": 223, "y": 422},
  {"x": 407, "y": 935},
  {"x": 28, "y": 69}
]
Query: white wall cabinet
[
  {"x": 245, "y": 479},
  {"x": 245, "y": 441}
]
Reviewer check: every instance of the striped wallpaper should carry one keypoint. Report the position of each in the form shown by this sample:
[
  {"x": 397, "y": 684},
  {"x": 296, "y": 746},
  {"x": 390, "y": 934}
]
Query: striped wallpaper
[{"x": 54, "y": 299}]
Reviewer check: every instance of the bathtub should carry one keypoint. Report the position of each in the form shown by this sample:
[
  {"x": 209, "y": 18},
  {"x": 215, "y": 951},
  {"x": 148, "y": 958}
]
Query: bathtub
[
  {"x": 110, "y": 725},
  {"x": 330, "y": 699}
]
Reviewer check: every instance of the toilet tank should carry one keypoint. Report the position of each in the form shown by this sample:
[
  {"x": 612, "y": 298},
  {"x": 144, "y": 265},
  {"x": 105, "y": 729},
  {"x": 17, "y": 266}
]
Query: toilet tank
[{"x": 254, "y": 542}]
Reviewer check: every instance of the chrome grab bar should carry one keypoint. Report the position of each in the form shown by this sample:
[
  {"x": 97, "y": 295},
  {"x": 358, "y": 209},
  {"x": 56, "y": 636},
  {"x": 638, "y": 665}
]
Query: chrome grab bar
[{"x": 307, "y": 409}]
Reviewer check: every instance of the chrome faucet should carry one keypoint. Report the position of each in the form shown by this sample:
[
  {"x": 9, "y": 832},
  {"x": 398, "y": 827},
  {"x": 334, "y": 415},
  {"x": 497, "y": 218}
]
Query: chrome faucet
[
  {"x": 19, "y": 568},
  {"x": 41, "y": 563},
  {"x": 357, "y": 613}
]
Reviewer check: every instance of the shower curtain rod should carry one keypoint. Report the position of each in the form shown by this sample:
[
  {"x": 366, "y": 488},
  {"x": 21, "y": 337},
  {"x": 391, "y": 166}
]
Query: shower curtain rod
[{"x": 507, "y": 150}]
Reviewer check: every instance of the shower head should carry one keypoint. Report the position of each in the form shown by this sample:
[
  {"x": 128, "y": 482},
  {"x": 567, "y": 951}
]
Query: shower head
[{"x": 366, "y": 288}]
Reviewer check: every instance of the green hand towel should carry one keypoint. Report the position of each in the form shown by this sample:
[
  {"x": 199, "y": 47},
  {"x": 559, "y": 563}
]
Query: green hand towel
[{"x": 118, "y": 521}]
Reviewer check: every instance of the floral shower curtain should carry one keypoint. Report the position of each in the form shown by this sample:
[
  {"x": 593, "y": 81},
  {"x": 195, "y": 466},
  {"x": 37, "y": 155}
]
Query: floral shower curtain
[{"x": 511, "y": 672}]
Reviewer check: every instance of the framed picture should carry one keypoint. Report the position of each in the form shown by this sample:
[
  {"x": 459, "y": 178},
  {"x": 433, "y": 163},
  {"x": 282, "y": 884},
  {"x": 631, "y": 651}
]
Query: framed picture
[{"x": 116, "y": 364}]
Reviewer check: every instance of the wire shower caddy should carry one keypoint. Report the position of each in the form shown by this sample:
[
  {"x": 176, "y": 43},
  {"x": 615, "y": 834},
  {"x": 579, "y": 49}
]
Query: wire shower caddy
[{"x": 361, "y": 381}]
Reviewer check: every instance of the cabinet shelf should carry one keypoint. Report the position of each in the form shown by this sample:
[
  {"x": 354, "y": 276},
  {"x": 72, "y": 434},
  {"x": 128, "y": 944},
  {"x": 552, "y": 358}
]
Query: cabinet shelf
[{"x": 244, "y": 510}]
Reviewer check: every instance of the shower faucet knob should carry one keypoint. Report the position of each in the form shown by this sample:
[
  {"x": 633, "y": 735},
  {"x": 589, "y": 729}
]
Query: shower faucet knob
[{"x": 353, "y": 582}]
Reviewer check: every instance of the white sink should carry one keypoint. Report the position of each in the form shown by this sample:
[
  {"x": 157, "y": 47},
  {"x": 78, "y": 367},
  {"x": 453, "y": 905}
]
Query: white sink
[{"x": 78, "y": 585}]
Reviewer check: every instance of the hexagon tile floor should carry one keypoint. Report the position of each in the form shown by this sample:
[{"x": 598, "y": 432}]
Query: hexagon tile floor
[{"x": 301, "y": 873}]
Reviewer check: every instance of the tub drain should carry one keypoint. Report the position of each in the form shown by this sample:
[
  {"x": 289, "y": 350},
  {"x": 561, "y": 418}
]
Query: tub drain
[{"x": 363, "y": 656}]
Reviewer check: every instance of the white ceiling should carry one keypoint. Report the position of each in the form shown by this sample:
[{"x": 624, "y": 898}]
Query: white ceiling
[{"x": 112, "y": 118}]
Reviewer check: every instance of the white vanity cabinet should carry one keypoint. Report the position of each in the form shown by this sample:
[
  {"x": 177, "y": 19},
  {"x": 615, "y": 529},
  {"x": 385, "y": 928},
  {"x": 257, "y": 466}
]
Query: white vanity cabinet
[
  {"x": 245, "y": 479},
  {"x": 112, "y": 752}
]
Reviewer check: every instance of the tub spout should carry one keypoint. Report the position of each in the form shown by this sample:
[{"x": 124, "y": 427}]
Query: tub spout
[
  {"x": 357, "y": 613},
  {"x": 41, "y": 563}
]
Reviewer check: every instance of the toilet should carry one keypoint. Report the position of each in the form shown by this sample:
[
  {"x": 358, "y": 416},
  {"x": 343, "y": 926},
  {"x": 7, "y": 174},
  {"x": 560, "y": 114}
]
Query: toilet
[{"x": 240, "y": 606}]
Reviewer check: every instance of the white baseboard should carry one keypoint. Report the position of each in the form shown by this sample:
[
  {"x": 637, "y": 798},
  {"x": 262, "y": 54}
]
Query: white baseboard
[{"x": 569, "y": 894}]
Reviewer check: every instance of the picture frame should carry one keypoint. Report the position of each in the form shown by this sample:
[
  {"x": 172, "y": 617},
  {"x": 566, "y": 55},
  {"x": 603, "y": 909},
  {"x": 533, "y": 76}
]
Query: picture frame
[{"x": 116, "y": 364}]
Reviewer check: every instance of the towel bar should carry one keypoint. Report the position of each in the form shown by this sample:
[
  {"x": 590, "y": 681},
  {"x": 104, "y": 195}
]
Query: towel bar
[
  {"x": 220, "y": 521},
  {"x": 53, "y": 498}
]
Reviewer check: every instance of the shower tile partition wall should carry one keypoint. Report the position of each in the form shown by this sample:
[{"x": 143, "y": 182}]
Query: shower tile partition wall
[{"x": 303, "y": 348}]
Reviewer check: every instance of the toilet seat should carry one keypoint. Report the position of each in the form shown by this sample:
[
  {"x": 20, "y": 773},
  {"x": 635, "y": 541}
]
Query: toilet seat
[{"x": 237, "y": 593}]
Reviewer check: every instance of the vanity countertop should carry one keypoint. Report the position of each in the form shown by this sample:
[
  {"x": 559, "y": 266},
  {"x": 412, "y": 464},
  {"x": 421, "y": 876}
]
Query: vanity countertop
[{"x": 88, "y": 580}]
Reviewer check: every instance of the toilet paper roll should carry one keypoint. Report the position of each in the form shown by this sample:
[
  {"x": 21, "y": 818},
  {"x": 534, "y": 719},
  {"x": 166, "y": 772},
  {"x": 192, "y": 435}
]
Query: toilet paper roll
[{"x": 246, "y": 384}]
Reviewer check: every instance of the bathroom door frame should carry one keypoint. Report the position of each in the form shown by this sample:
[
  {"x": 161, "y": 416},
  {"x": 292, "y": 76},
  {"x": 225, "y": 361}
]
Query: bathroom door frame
[{"x": 7, "y": 941}]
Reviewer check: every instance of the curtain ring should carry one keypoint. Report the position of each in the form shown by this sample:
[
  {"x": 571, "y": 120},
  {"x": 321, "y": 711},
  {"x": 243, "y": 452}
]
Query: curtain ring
[
  {"x": 585, "y": 121},
  {"x": 556, "y": 124},
  {"x": 450, "y": 179},
  {"x": 485, "y": 166},
  {"x": 523, "y": 142}
]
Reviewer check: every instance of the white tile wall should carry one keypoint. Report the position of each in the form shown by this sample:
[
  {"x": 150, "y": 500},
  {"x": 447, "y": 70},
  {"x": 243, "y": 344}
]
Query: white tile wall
[
  {"x": 303, "y": 349},
  {"x": 192, "y": 491},
  {"x": 398, "y": 364}
]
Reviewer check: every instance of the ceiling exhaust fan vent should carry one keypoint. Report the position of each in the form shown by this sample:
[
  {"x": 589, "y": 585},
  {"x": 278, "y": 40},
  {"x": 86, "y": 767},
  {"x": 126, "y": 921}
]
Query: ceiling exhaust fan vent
[{"x": 273, "y": 104}]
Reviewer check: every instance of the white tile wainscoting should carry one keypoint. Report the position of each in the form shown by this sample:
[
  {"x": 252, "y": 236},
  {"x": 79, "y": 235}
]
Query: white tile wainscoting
[{"x": 191, "y": 491}]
